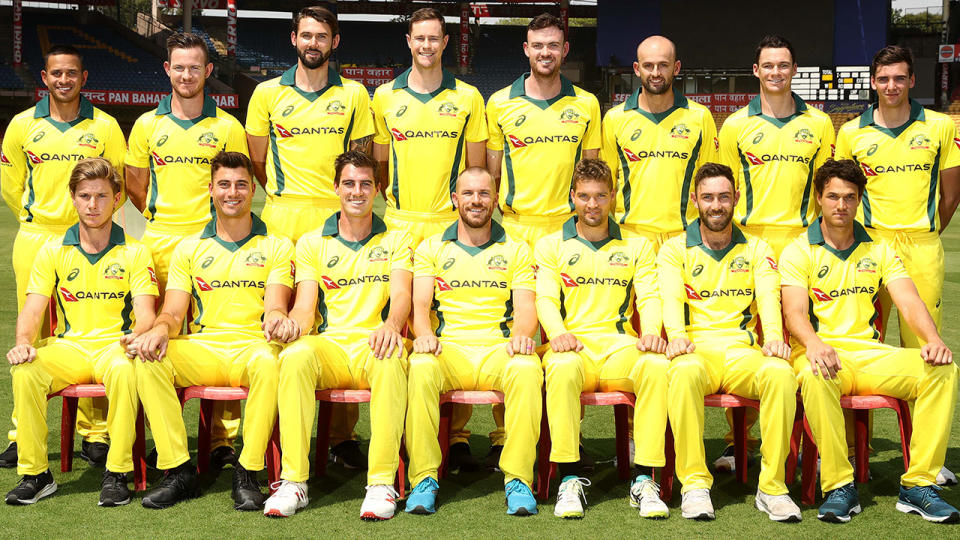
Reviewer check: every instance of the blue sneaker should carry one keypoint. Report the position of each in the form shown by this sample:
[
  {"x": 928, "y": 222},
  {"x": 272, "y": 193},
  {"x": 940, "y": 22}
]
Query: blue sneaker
[
  {"x": 841, "y": 503},
  {"x": 926, "y": 501},
  {"x": 423, "y": 498},
  {"x": 520, "y": 500}
]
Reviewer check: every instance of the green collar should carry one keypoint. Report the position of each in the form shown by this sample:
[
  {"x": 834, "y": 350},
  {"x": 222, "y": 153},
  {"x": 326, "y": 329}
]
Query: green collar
[
  {"x": 497, "y": 236},
  {"x": 570, "y": 231},
  {"x": 117, "y": 238},
  {"x": 694, "y": 239},
  {"x": 449, "y": 81},
  {"x": 165, "y": 108},
  {"x": 754, "y": 108},
  {"x": 331, "y": 227},
  {"x": 259, "y": 228},
  {"x": 815, "y": 237},
  {"x": 517, "y": 89},
  {"x": 42, "y": 109},
  {"x": 916, "y": 113},
  {"x": 289, "y": 77},
  {"x": 633, "y": 103}
]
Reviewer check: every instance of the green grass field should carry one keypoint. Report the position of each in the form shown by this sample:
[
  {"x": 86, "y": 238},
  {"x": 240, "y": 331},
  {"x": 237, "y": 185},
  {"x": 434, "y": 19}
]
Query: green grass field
[{"x": 471, "y": 505}]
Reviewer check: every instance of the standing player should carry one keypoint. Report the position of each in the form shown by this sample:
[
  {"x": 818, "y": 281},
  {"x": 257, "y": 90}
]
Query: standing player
[
  {"x": 654, "y": 142},
  {"x": 474, "y": 320},
  {"x": 429, "y": 127},
  {"x": 105, "y": 292},
  {"x": 353, "y": 286},
  {"x": 774, "y": 145},
  {"x": 40, "y": 148},
  {"x": 236, "y": 275},
  {"x": 831, "y": 277},
  {"x": 714, "y": 282},
  {"x": 297, "y": 125},
  {"x": 588, "y": 281}
]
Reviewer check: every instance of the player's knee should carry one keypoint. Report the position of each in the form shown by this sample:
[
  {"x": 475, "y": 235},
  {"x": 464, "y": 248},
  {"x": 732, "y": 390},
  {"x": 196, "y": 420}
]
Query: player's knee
[
  {"x": 264, "y": 365},
  {"x": 685, "y": 369},
  {"x": 30, "y": 373},
  {"x": 524, "y": 367},
  {"x": 779, "y": 373},
  {"x": 121, "y": 369},
  {"x": 422, "y": 367},
  {"x": 295, "y": 360},
  {"x": 654, "y": 365},
  {"x": 947, "y": 374}
]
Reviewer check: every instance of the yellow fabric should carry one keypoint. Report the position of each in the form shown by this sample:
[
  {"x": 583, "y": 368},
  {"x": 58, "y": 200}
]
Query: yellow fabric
[
  {"x": 608, "y": 362},
  {"x": 654, "y": 158},
  {"x": 293, "y": 218},
  {"x": 427, "y": 135},
  {"x": 307, "y": 131},
  {"x": 778, "y": 238},
  {"x": 657, "y": 240},
  {"x": 902, "y": 167},
  {"x": 178, "y": 153},
  {"x": 774, "y": 160},
  {"x": 39, "y": 154},
  {"x": 876, "y": 368},
  {"x": 60, "y": 363},
  {"x": 923, "y": 258},
  {"x": 341, "y": 360},
  {"x": 541, "y": 141},
  {"x": 530, "y": 229},
  {"x": 728, "y": 363},
  {"x": 474, "y": 366},
  {"x": 161, "y": 246},
  {"x": 419, "y": 225}
]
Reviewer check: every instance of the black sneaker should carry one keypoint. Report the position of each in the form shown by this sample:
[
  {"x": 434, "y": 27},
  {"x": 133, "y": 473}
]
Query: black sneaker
[
  {"x": 32, "y": 488},
  {"x": 460, "y": 459},
  {"x": 349, "y": 455},
  {"x": 222, "y": 456},
  {"x": 113, "y": 489},
  {"x": 8, "y": 459},
  {"x": 492, "y": 460},
  {"x": 178, "y": 484},
  {"x": 246, "y": 490},
  {"x": 586, "y": 463},
  {"x": 95, "y": 453}
]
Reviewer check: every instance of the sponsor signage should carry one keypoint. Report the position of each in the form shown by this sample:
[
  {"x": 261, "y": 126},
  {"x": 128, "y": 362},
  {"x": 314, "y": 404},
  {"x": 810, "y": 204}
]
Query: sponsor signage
[
  {"x": 131, "y": 97},
  {"x": 369, "y": 76}
]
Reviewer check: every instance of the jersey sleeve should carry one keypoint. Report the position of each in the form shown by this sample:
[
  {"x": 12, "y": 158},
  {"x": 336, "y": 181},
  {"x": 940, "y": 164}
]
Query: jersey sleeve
[
  {"x": 523, "y": 272},
  {"x": 13, "y": 167},
  {"x": 710, "y": 145},
  {"x": 43, "y": 274},
  {"x": 494, "y": 133},
  {"x": 827, "y": 145},
  {"x": 424, "y": 260},
  {"x": 179, "y": 275},
  {"x": 476, "y": 128},
  {"x": 282, "y": 266},
  {"x": 306, "y": 259},
  {"x": 236, "y": 138},
  {"x": 844, "y": 146},
  {"x": 728, "y": 153},
  {"x": 258, "y": 113},
  {"x": 143, "y": 277},
  {"x": 766, "y": 285},
  {"x": 672, "y": 289},
  {"x": 646, "y": 288},
  {"x": 591, "y": 139},
  {"x": 381, "y": 134},
  {"x": 950, "y": 146},
  {"x": 608, "y": 146},
  {"x": 363, "y": 118},
  {"x": 138, "y": 151},
  {"x": 794, "y": 265},
  {"x": 548, "y": 288},
  {"x": 893, "y": 268},
  {"x": 401, "y": 257}
]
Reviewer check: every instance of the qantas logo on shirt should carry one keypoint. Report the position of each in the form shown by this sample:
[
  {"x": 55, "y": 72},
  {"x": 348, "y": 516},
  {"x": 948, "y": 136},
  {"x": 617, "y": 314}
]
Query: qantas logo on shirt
[
  {"x": 33, "y": 158},
  {"x": 766, "y": 158},
  {"x": 293, "y": 269},
  {"x": 517, "y": 142},
  {"x": 716, "y": 143},
  {"x": 837, "y": 293},
  {"x": 693, "y": 294},
  {"x": 460, "y": 283},
  {"x": 318, "y": 130},
  {"x": 956, "y": 142},
  {"x": 906, "y": 167},
  {"x": 90, "y": 295},
  {"x": 329, "y": 283},
  {"x": 397, "y": 135},
  {"x": 643, "y": 154},
  {"x": 160, "y": 161},
  {"x": 580, "y": 280},
  {"x": 442, "y": 285},
  {"x": 567, "y": 280},
  {"x": 157, "y": 160},
  {"x": 419, "y": 134},
  {"x": 3, "y": 159},
  {"x": 153, "y": 275},
  {"x": 772, "y": 263},
  {"x": 67, "y": 295},
  {"x": 202, "y": 285}
]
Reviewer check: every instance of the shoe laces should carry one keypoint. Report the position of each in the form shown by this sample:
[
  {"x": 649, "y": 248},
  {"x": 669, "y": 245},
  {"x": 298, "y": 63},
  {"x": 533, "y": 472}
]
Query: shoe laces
[
  {"x": 930, "y": 495},
  {"x": 843, "y": 493},
  {"x": 428, "y": 484},
  {"x": 382, "y": 491},
  {"x": 697, "y": 496},
  {"x": 113, "y": 480},
  {"x": 247, "y": 479},
  {"x": 30, "y": 480},
  {"x": 516, "y": 486},
  {"x": 646, "y": 487},
  {"x": 286, "y": 488},
  {"x": 573, "y": 489},
  {"x": 174, "y": 479}
]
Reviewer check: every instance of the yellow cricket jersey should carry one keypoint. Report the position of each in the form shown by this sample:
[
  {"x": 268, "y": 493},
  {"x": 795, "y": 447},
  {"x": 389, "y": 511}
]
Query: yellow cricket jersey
[
  {"x": 591, "y": 287},
  {"x": 427, "y": 134},
  {"x": 307, "y": 131},
  {"x": 902, "y": 166},
  {"x": 719, "y": 291},
  {"x": 178, "y": 154},
  {"x": 843, "y": 285},
  {"x": 94, "y": 292},
  {"x": 654, "y": 157},
  {"x": 353, "y": 277},
  {"x": 541, "y": 141},
  {"x": 39, "y": 154},
  {"x": 228, "y": 279},
  {"x": 774, "y": 160},
  {"x": 473, "y": 293}
]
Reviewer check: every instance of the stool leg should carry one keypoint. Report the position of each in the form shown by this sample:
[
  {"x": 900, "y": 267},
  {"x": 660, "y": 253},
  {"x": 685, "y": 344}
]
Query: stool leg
[
  {"x": 203, "y": 435},
  {"x": 140, "y": 454},
  {"x": 740, "y": 443},
  {"x": 667, "y": 472},
  {"x": 323, "y": 438},
  {"x": 861, "y": 452},
  {"x": 443, "y": 437},
  {"x": 543, "y": 457},
  {"x": 906, "y": 430},
  {"x": 68, "y": 423},
  {"x": 808, "y": 478}
]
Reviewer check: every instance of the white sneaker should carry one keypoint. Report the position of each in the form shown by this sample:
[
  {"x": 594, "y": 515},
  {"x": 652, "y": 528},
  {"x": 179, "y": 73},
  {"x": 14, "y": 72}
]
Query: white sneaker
[
  {"x": 696, "y": 504},
  {"x": 778, "y": 507},
  {"x": 286, "y": 500},
  {"x": 379, "y": 504},
  {"x": 945, "y": 477},
  {"x": 727, "y": 462},
  {"x": 569, "y": 496},
  {"x": 645, "y": 495}
]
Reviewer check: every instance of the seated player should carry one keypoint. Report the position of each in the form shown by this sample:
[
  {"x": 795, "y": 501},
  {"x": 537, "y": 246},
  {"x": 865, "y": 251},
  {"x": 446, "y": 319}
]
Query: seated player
[
  {"x": 831, "y": 277},
  {"x": 353, "y": 286},
  {"x": 105, "y": 292},
  {"x": 714, "y": 282},
  {"x": 236, "y": 275},
  {"x": 474, "y": 318},
  {"x": 588, "y": 280}
]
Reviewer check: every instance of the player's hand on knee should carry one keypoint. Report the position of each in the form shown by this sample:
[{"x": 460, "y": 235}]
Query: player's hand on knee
[
  {"x": 520, "y": 345},
  {"x": 936, "y": 353},
  {"x": 281, "y": 329},
  {"x": 153, "y": 345},
  {"x": 129, "y": 343},
  {"x": 652, "y": 343},
  {"x": 776, "y": 348},
  {"x": 679, "y": 346},
  {"x": 428, "y": 344},
  {"x": 384, "y": 341},
  {"x": 566, "y": 343},
  {"x": 21, "y": 354},
  {"x": 824, "y": 360}
]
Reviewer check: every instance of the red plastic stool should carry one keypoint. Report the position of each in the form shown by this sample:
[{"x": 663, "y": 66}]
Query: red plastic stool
[
  {"x": 327, "y": 398},
  {"x": 68, "y": 423},
  {"x": 466, "y": 397},
  {"x": 207, "y": 395},
  {"x": 861, "y": 407}
]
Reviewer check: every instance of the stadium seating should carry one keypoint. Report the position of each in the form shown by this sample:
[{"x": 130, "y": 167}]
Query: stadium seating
[{"x": 9, "y": 80}]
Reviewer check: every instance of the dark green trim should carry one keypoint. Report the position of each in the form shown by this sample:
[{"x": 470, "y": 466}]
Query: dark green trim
[
  {"x": 497, "y": 236},
  {"x": 64, "y": 126},
  {"x": 679, "y": 102},
  {"x": 385, "y": 312},
  {"x": 435, "y": 306},
  {"x": 865, "y": 200},
  {"x": 165, "y": 108},
  {"x": 754, "y": 108},
  {"x": 694, "y": 239},
  {"x": 42, "y": 109},
  {"x": 457, "y": 156},
  {"x": 916, "y": 113},
  {"x": 507, "y": 317},
  {"x": 280, "y": 178},
  {"x": 570, "y": 231},
  {"x": 63, "y": 312},
  {"x": 622, "y": 310},
  {"x": 511, "y": 178},
  {"x": 815, "y": 237},
  {"x": 748, "y": 187},
  {"x": 932, "y": 194},
  {"x": 323, "y": 310},
  {"x": 449, "y": 82},
  {"x": 876, "y": 314},
  {"x": 814, "y": 320},
  {"x": 72, "y": 238},
  {"x": 747, "y": 317},
  {"x": 805, "y": 203},
  {"x": 517, "y": 89},
  {"x": 349, "y": 131},
  {"x": 289, "y": 78},
  {"x": 395, "y": 189},
  {"x": 127, "y": 325},
  {"x": 688, "y": 180},
  {"x": 154, "y": 193},
  {"x": 627, "y": 189},
  {"x": 331, "y": 227},
  {"x": 31, "y": 194},
  {"x": 199, "y": 303},
  {"x": 258, "y": 228}
]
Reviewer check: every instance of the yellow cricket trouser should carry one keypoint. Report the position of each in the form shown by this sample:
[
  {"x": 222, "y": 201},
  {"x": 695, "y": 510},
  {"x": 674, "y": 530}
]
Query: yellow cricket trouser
[
  {"x": 474, "y": 366},
  {"x": 922, "y": 256},
  {"x": 344, "y": 361},
  {"x": 871, "y": 368},
  {"x": 656, "y": 239},
  {"x": 214, "y": 359},
  {"x": 729, "y": 365},
  {"x": 60, "y": 363},
  {"x": 531, "y": 229},
  {"x": 607, "y": 363},
  {"x": 91, "y": 412}
]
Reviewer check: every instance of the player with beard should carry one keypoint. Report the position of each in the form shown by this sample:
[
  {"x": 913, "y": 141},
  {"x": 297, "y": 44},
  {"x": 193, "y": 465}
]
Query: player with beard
[
  {"x": 654, "y": 142},
  {"x": 297, "y": 124},
  {"x": 714, "y": 282}
]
